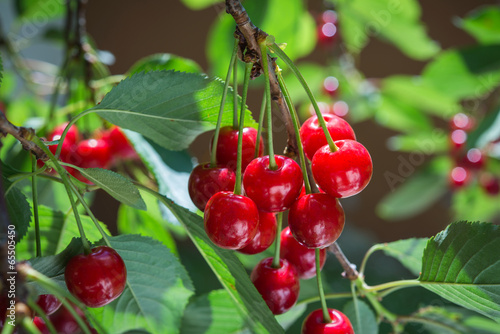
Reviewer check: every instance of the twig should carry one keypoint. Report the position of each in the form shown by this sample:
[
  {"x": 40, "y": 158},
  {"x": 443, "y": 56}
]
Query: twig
[
  {"x": 350, "y": 271},
  {"x": 22, "y": 134}
]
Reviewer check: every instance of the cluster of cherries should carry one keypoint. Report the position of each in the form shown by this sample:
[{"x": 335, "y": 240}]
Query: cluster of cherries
[
  {"x": 273, "y": 184},
  {"x": 469, "y": 162},
  {"x": 102, "y": 150}
]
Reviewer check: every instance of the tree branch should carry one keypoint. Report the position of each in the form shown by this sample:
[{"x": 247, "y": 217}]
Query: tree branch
[
  {"x": 22, "y": 134},
  {"x": 350, "y": 271}
]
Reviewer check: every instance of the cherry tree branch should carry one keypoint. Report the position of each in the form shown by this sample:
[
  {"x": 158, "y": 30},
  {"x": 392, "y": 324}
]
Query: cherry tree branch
[{"x": 23, "y": 135}]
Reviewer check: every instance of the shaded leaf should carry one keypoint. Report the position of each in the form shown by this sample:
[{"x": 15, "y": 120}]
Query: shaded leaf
[
  {"x": 408, "y": 251},
  {"x": 18, "y": 208},
  {"x": 29, "y": 10},
  {"x": 361, "y": 316},
  {"x": 472, "y": 202},
  {"x": 287, "y": 319},
  {"x": 165, "y": 61},
  {"x": 484, "y": 24},
  {"x": 462, "y": 264},
  {"x": 487, "y": 131},
  {"x": 157, "y": 291}
]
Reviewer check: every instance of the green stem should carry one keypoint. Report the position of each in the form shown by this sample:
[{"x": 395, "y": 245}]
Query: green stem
[
  {"x": 277, "y": 241},
  {"x": 237, "y": 185},
  {"x": 261, "y": 122},
  {"x": 213, "y": 156},
  {"x": 22, "y": 176},
  {"x": 372, "y": 250},
  {"x": 29, "y": 326},
  {"x": 390, "y": 285},
  {"x": 327, "y": 296},
  {"x": 235, "y": 94},
  {"x": 382, "y": 312},
  {"x": 34, "y": 192},
  {"x": 8, "y": 329},
  {"x": 326, "y": 316},
  {"x": 265, "y": 68},
  {"x": 283, "y": 56},
  {"x": 296, "y": 127},
  {"x": 39, "y": 312}
]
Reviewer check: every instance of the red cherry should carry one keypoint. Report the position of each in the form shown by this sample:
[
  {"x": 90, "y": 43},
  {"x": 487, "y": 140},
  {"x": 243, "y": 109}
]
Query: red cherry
[
  {"x": 474, "y": 159},
  {"x": 70, "y": 141},
  {"x": 313, "y": 137},
  {"x": 206, "y": 181},
  {"x": 231, "y": 221},
  {"x": 227, "y": 146},
  {"x": 279, "y": 287},
  {"x": 327, "y": 33},
  {"x": 273, "y": 190},
  {"x": 329, "y": 16},
  {"x": 48, "y": 303},
  {"x": 92, "y": 153},
  {"x": 97, "y": 278},
  {"x": 40, "y": 324},
  {"x": 301, "y": 257},
  {"x": 118, "y": 143},
  {"x": 65, "y": 323},
  {"x": 462, "y": 121},
  {"x": 340, "y": 109},
  {"x": 266, "y": 233},
  {"x": 490, "y": 184},
  {"x": 316, "y": 220},
  {"x": 331, "y": 85},
  {"x": 314, "y": 324},
  {"x": 345, "y": 172},
  {"x": 459, "y": 177}
]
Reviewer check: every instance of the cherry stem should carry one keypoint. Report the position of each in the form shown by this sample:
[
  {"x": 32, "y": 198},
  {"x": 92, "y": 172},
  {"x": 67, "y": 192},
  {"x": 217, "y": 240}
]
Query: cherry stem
[
  {"x": 296, "y": 127},
  {"x": 261, "y": 121},
  {"x": 326, "y": 316},
  {"x": 283, "y": 56},
  {"x": 41, "y": 313},
  {"x": 350, "y": 271},
  {"x": 235, "y": 95},
  {"x": 34, "y": 192},
  {"x": 237, "y": 184},
  {"x": 277, "y": 242},
  {"x": 213, "y": 156},
  {"x": 265, "y": 67}
]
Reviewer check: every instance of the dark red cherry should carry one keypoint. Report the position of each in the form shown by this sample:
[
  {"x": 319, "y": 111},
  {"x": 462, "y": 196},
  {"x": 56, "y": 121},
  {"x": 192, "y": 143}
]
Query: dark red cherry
[
  {"x": 314, "y": 323},
  {"x": 65, "y": 323},
  {"x": 313, "y": 137},
  {"x": 205, "y": 181},
  {"x": 273, "y": 190},
  {"x": 48, "y": 303},
  {"x": 227, "y": 146},
  {"x": 231, "y": 221},
  {"x": 327, "y": 33},
  {"x": 98, "y": 278},
  {"x": 459, "y": 177},
  {"x": 301, "y": 257},
  {"x": 92, "y": 153},
  {"x": 490, "y": 184},
  {"x": 118, "y": 143},
  {"x": 40, "y": 325},
  {"x": 458, "y": 138},
  {"x": 474, "y": 159},
  {"x": 266, "y": 233},
  {"x": 316, "y": 220},
  {"x": 345, "y": 172},
  {"x": 279, "y": 287},
  {"x": 462, "y": 121}
]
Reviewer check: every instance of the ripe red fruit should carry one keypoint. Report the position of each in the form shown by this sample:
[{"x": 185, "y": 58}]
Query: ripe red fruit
[
  {"x": 459, "y": 177},
  {"x": 92, "y": 153},
  {"x": 474, "y": 159},
  {"x": 118, "y": 143},
  {"x": 316, "y": 220},
  {"x": 231, "y": 221},
  {"x": 273, "y": 190},
  {"x": 48, "y": 303},
  {"x": 301, "y": 257},
  {"x": 204, "y": 182},
  {"x": 98, "y": 278},
  {"x": 462, "y": 121},
  {"x": 227, "y": 146},
  {"x": 345, "y": 172},
  {"x": 70, "y": 140},
  {"x": 327, "y": 33},
  {"x": 313, "y": 323},
  {"x": 266, "y": 233},
  {"x": 490, "y": 184},
  {"x": 331, "y": 85},
  {"x": 458, "y": 138},
  {"x": 65, "y": 323},
  {"x": 40, "y": 325},
  {"x": 279, "y": 287},
  {"x": 313, "y": 137}
]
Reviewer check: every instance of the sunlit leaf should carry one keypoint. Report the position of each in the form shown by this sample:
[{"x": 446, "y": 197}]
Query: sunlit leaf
[
  {"x": 407, "y": 251},
  {"x": 484, "y": 24},
  {"x": 165, "y": 61}
]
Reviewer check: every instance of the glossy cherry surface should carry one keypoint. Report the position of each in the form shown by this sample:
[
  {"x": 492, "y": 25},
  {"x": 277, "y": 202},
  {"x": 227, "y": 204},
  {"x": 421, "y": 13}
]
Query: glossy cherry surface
[
  {"x": 459, "y": 177},
  {"x": 205, "y": 181},
  {"x": 273, "y": 190},
  {"x": 331, "y": 85},
  {"x": 227, "y": 146},
  {"x": 313, "y": 137},
  {"x": 462, "y": 121},
  {"x": 345, "y": 172},
  {"x": 119, "y": 144},
  {"x": 48, "y": 303},
  {"x": 313, "y": 323},
  {"x": 279, "y": 287},
  {"x": 98, "y": 278},
  {"x": 316, "y": 220},
  {"x": 65, "y": 323},
  {"x": 266, "y": 233},
  {"x": 40, "y": 325},
  {"x": 231, "y": 221},
  {"x": 474, "y": 159},
  {"x": 92, "y": 153},
  {"x": 71, "y": 139},
  {"x": 301, "y": 257}
]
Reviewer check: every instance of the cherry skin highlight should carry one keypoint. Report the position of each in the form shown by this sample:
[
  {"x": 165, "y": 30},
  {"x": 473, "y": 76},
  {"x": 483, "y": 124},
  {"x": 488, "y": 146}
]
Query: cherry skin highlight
[
  {"x": 205, "y": 181},
  {"x": 313, "y": 137},
  {"x": 279, "y": 287},
  {"x": 345, "y": 172},
  {"x": 98, "y": 278},
  {"x": 313, "y": 323},
  {"x": 316, "y": 220},
  {"x": 227, "y": 147},
  {"x": 301, "y": 257},
  {"x": 48, "y": 303},
  {"x": 273, "y": 190},
  {"x": 92, "y": 153},
  {"x": 118, "y": 143},
  {"x": 266, "y": 233},
  {"x": 231, "y": 221}
]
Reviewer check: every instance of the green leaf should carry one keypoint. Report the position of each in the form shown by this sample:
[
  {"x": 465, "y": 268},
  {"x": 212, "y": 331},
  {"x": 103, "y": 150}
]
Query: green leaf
[
  {"x": 420, "y": 142},
  {"x": 165, "y": 61},
  {"x": 287, "y": 319},
  {"x": 29, "y": 10},
  {"x": 157, "y": 290},
  {"x": 1, "y": 70},
  {"x": 230, "y": 273},
  {"x": 56, "y": 231},
  {"x": 361, "y": 316},
  {"x": 408, "y": 252},
  {"x": 213, "y": 313},
  {"x": 466, "y": 73},
  {"x": 462, "y": 264},
  {"x": 396, "y": 22},
  {"x": 18, "y": 208},
  {"x": 486, "y": 132},
  {"x": 418, "y": 191},
  {"x": 171, "y": 108},
  {"x": 484, "y": 24},
  {"x": 200, "y": 4},
  {"x": 118, "y": 186},
  {"x": 472, "y": 202}
]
